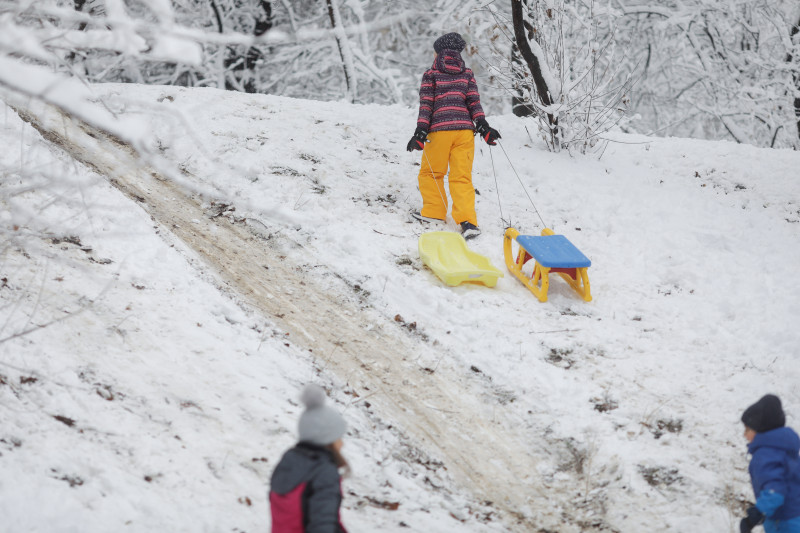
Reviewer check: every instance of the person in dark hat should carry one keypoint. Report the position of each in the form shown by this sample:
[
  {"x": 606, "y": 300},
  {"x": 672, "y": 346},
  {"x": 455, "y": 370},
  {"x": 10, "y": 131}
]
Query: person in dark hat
[
  {"x": 774, "y": 468},
  {"x": 450, "y": 113},
  {"x": 305, "y": 490}
]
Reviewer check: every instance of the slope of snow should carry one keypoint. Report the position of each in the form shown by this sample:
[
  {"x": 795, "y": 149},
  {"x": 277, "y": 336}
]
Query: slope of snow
[{"x": 174, "y": 402}]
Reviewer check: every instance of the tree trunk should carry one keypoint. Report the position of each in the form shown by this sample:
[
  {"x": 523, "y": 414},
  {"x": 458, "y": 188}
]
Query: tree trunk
[
  {"x": 341, "y": 41},
  {"x": 796, "y": 77},
  {"x": 533, "y": 62},
  {"x": 217, "y": 16},
  {"x": 240, "y": 62},
  {"x": 521, "y": 86},
  {"x": 263, "y": 24}
]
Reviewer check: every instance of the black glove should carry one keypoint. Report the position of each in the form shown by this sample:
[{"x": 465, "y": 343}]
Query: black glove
[
  {"x": 487, "y": 133},
  {"x": 754, "y": 517},
  {"x": 417, "y": 142}
]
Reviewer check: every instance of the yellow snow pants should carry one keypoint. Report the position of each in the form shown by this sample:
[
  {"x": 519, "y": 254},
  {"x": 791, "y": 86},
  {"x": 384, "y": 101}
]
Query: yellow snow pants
[{"x": 455, "y": 149}]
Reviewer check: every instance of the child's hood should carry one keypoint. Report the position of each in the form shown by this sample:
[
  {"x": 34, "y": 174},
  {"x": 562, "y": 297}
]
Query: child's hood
[
  {"x": 299, "y": 465},
  {"x": 449, "y": 61},
  {"x": 782, "y": 438}
]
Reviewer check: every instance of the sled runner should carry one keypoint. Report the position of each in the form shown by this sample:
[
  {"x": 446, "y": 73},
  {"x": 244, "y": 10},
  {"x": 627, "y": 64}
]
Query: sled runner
[
  {"x": 447, "y": 254},
  {"x": 551, "y": 254}
]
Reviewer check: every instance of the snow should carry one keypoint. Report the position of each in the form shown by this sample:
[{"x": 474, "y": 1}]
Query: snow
[{"x": 177, "y": 396}]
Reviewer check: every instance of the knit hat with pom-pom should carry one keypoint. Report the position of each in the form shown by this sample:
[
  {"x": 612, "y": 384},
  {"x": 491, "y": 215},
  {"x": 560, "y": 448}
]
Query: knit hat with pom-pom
[
  {"x": 319, "y": 424},
  {"x": 449, "y": 41}
]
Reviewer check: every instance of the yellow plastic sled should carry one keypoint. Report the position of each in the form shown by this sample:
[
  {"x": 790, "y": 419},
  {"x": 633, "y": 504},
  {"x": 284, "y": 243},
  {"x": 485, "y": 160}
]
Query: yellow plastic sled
[{"x": 447, "y": 254}]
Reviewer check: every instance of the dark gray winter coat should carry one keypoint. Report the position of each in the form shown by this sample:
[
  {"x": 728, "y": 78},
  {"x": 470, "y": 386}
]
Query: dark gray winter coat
[{"x": 305, "y": 492}]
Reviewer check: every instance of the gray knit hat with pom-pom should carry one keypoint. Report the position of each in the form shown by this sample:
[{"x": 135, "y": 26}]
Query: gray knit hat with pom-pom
[{"x": 319, "y": 424}]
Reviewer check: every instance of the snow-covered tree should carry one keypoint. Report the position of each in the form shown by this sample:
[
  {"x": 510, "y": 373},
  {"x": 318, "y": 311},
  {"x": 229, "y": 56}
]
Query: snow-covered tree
[
  {"x": 716, "y": 68},
  {"x": 560, "y": 60},
  {"x": 702, "y": 68},
  {"x": 792, "y": 58}
]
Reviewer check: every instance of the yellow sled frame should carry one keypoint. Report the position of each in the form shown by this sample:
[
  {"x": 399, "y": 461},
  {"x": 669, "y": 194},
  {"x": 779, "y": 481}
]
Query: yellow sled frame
[{"x": 539, "y": 282}]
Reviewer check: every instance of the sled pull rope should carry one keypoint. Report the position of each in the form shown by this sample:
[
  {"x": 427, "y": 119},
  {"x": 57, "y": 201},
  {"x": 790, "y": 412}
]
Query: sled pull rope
[
  {"x": 520, "y": 182},
  {"x": 497, "y": 189}
]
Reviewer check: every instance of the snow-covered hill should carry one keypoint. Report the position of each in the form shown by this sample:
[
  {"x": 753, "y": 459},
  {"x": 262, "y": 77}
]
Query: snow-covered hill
[{"x": 141, "y": 390}]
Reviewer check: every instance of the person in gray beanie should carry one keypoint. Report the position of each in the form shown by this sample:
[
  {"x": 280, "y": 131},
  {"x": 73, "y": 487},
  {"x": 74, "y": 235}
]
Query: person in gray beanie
[{"x": 305, "y": 489}]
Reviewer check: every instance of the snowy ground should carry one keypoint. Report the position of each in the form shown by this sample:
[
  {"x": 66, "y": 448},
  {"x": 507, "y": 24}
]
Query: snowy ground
[{"x": 154, "y": 400}]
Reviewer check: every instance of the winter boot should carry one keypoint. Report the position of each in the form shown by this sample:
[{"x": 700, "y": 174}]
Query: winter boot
[
  {"x": 469, "y": 230},
  {"x": 416, "y": 215}
]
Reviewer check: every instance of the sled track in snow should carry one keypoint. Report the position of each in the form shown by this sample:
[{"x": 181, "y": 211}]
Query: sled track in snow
[{"x": 439, "y": 413}]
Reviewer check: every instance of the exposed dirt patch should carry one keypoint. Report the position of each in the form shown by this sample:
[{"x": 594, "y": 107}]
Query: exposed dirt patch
[{"x": 438, "y": 411}]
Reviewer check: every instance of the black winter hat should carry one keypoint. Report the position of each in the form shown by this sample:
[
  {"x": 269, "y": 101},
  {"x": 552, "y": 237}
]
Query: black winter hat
[
  {"x": 764, "y": 415},
  {"x": 449, "y": 41}
]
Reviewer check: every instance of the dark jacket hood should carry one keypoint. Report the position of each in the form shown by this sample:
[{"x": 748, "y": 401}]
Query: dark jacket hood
[
  {"x": 449, "y": 61},
  {"x": 297, "y": 466},
  {"x": 781, "y": 438}
]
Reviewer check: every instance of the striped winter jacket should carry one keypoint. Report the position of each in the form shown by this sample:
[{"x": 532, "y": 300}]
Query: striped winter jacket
[{"x": 448, "y": 95}]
